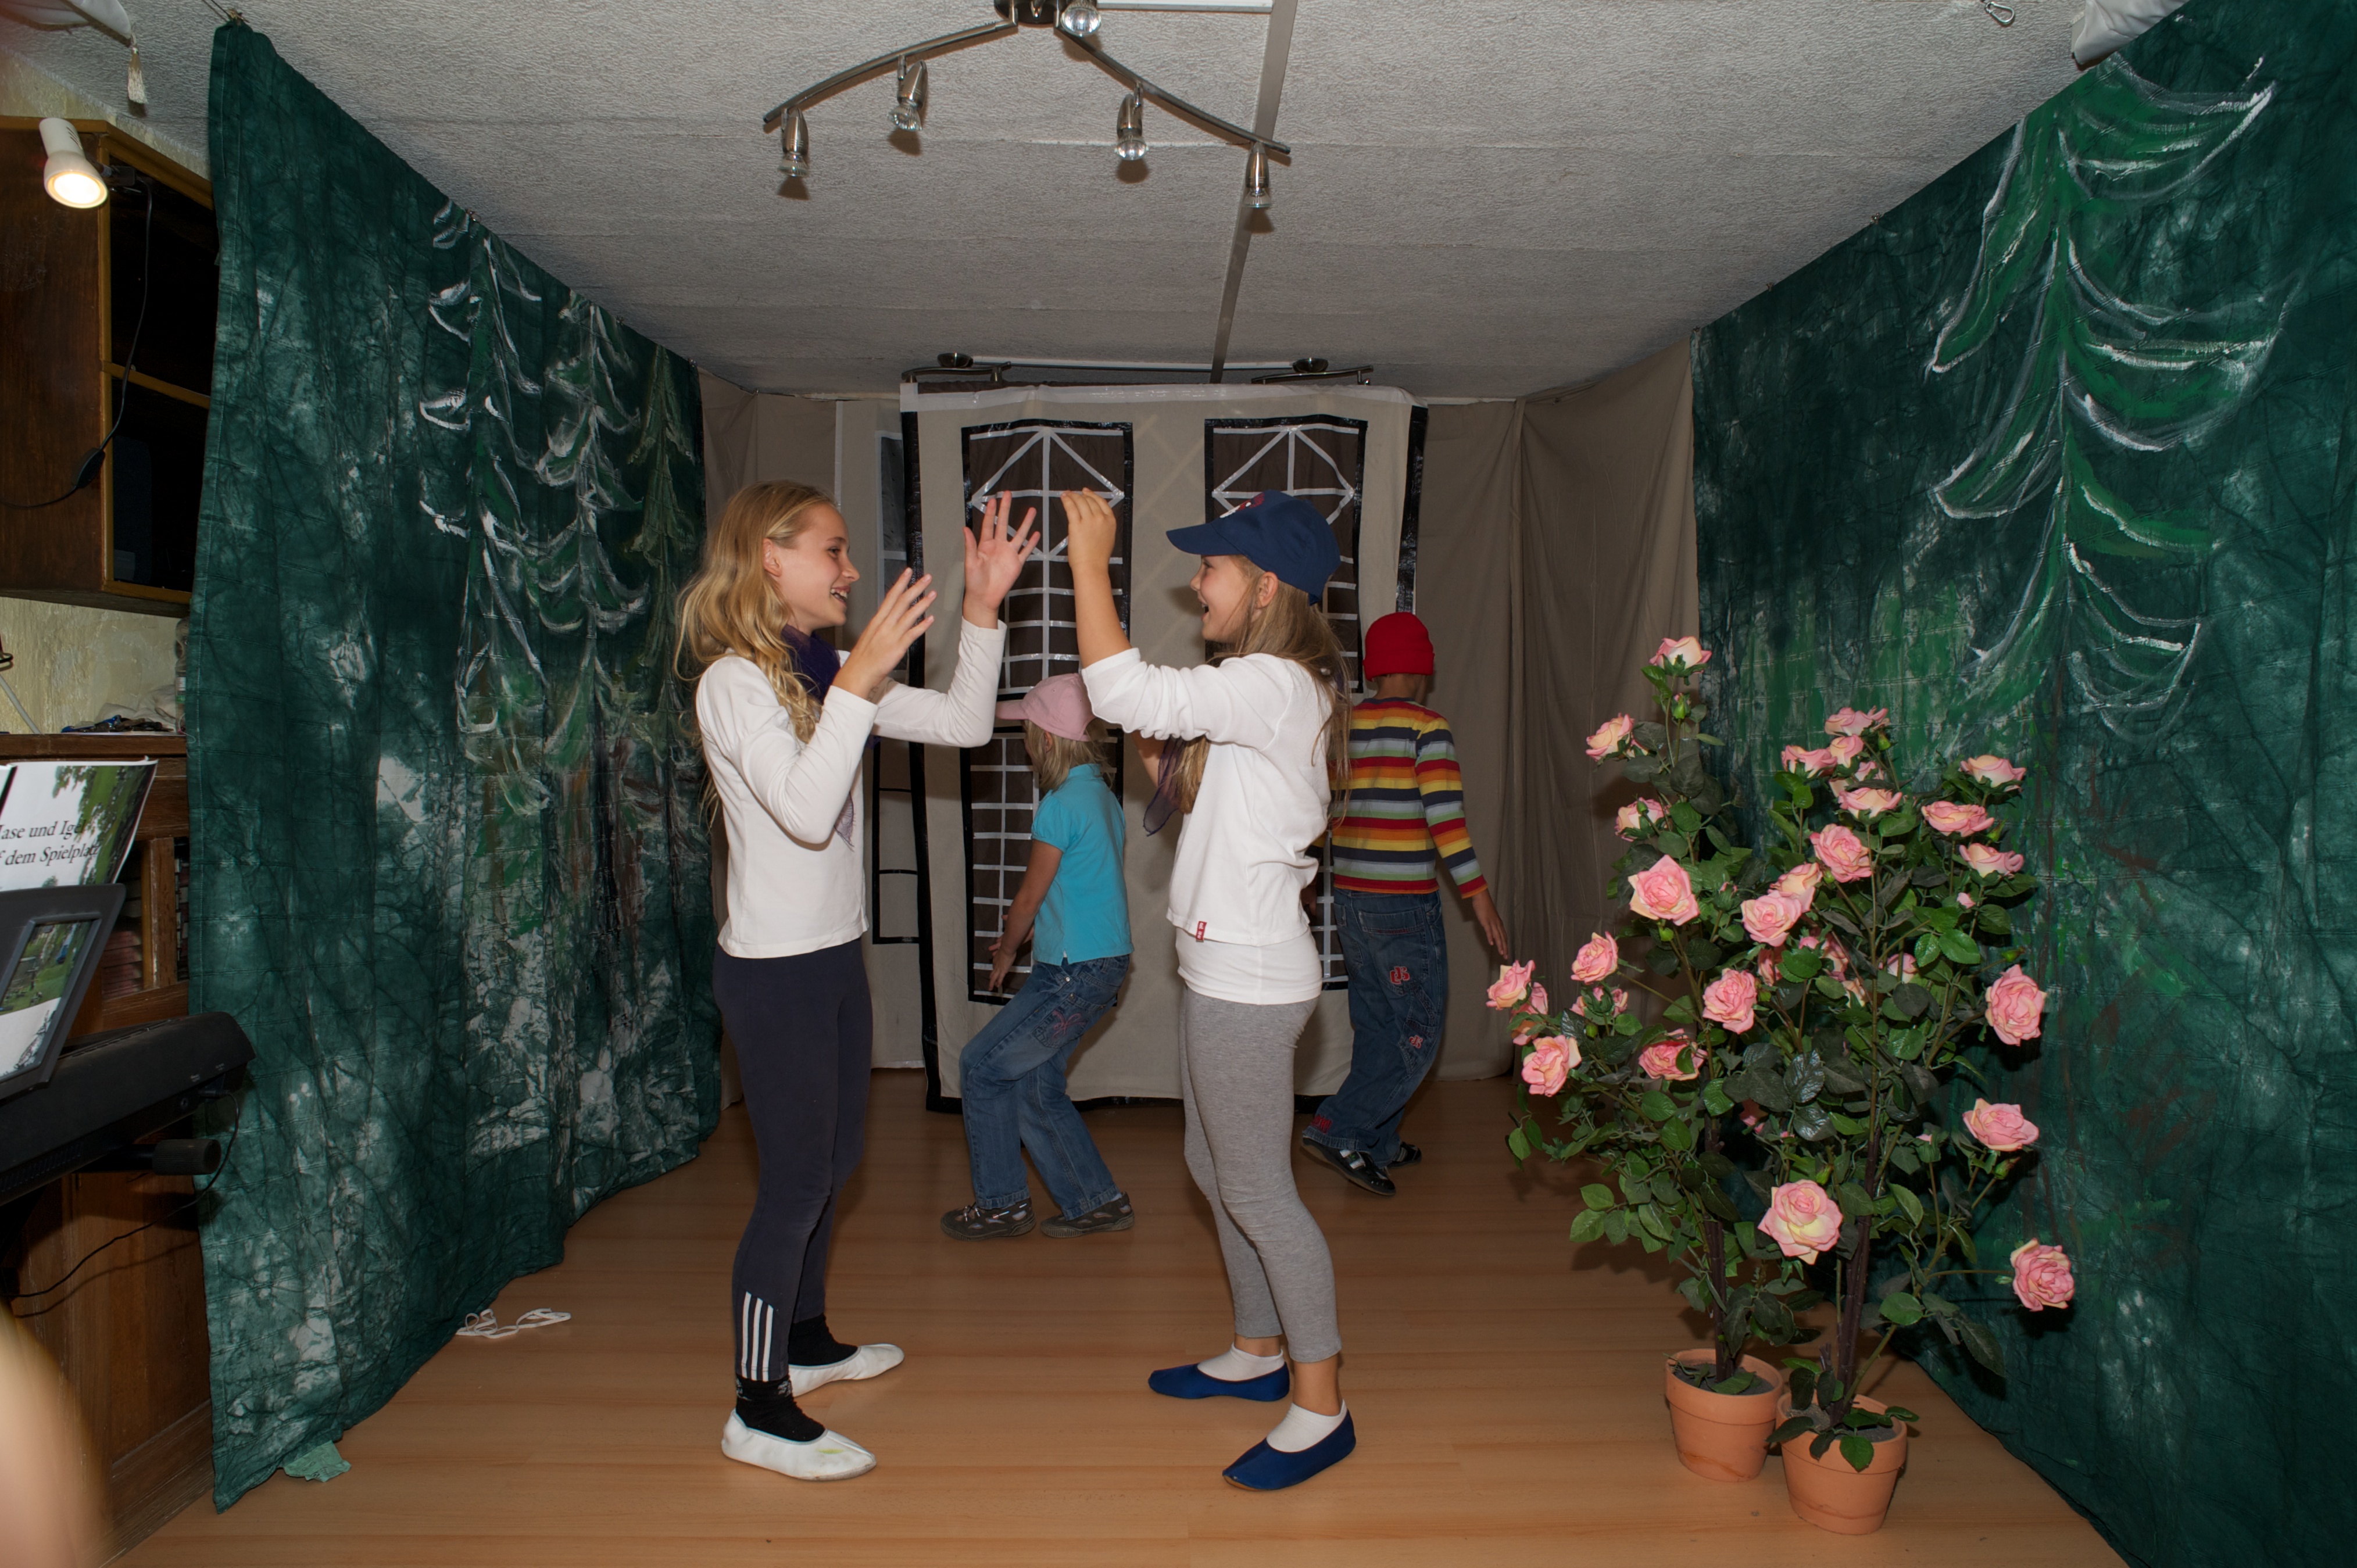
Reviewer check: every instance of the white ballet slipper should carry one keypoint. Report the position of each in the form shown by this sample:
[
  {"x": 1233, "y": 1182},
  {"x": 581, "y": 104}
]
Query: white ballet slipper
[
  {"x": 867, "y": 1361},
  {"x": 830, "y": 1457}
]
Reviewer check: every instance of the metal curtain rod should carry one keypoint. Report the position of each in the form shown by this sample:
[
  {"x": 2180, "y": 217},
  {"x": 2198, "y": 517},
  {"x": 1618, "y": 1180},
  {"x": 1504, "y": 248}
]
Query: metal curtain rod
[{"x": 947, "y": 42}]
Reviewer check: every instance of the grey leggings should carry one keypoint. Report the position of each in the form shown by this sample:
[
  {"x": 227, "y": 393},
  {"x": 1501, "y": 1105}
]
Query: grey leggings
[{"x": 1235, "y": 1076}]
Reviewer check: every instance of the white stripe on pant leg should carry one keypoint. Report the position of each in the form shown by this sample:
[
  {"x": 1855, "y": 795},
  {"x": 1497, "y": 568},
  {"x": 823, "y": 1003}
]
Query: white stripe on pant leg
[
  {"x": 768, "y": 1321},
  {"x": 745, "y": 1306}
]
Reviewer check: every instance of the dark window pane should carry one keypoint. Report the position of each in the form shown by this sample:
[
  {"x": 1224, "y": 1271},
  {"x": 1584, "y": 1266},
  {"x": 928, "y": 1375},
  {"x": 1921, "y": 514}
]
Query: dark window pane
[
  {"x": 158, "y": 464},
  {"x": 183, "y": 279}
]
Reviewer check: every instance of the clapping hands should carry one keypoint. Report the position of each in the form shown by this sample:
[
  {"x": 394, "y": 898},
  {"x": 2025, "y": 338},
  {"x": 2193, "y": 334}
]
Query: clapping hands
[{"x": 995, "y": 559}]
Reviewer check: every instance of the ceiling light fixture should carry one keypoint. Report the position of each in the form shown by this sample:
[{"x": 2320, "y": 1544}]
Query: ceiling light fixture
[
  {"x": 1129, "y": 129},
  {"x": 795, "y": 145},
  {"x": 908, "y": 101},
  {"x": 70, "y": 178},
  {"x": 1080, "y": 22}
]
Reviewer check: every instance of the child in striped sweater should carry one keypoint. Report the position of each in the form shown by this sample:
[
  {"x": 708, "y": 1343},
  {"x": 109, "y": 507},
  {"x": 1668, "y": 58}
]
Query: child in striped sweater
[{"x": 1405, "y": 809}]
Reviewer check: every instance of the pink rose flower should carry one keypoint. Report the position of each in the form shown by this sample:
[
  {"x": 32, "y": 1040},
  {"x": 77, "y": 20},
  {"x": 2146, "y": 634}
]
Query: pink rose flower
[
  {"x": 1867, "y": 802},
  {"x": 1580, "y": 1003},
  {"x": 1769, "y": 973},
  {"x": 1751, "y": 1116},
  {"x": 1637, "y": 818},
  {"x": 1663, "y": 893},
  {"x": 1965, "y": 900},
  {"x": 1903, "y": 966},
  {"x": 2015, "y": 1004},
  {"x": 1660, "y": 1058},
  {"x": 1597, "y": 960},
  {"x": 1948, "y": 816},
  {"x": 1730, "y": 999},
  {"x": 2041, "y": 1275},
  {"x": 1994, "y": 770},
  {"x": 1869, "y": 768},
  {"x": 1809, "y": 762},
  {"x": 1538, "y": 998},
  {"x": 2000, "y": 1127},
  {"x": 1842, "y": 852},
  {"x": 1513, "y": 984},
  {"x": 1550, "y": 1063},
  {"x": 1608, "y": 740},
  {"x": 1801, "y": 880},
  {"x": 1768, "y": 919},
  {"x": 1837, "y": 955},
  {"x": 1849, "y": 721},
  {"x": 1687, "y": 650},
  {"x": 1846, "y": 750},
  {"x": 1803, "y": 1219},
  {"x": 1988, "y": 860}
]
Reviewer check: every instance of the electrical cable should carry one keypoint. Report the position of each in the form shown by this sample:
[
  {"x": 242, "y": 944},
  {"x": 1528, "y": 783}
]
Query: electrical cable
[
  {"x": 191, "y": 1202},
  {"x": 87, "y": 469}
]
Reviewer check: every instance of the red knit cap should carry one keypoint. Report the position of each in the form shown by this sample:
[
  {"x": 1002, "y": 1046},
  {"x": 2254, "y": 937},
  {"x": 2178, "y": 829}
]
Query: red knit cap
[{"x": 1397, "y": 644}]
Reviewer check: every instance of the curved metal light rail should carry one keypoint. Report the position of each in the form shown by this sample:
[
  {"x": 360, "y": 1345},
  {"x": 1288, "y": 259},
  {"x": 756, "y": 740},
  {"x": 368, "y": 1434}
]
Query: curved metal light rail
[{"x": 931, "y": 47}]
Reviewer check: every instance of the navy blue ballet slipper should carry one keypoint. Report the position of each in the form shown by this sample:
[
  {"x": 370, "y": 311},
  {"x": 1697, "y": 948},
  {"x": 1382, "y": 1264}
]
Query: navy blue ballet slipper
[
  {"x": 1267, "y": 1469},
  {"x": 1191, "y": 1382}
]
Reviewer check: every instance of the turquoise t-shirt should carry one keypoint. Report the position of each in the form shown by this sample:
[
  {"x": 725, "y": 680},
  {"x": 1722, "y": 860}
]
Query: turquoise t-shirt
[{"x": 1086, "y": 913}]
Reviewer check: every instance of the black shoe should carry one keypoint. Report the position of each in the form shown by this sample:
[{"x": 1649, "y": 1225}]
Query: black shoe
[
  {"x": 1409, "y": 1154},
  {"x": 1114, "y": 1214},
  {"x": 975, "y": 1223},
  {"x": 1355, "y": 1168}
]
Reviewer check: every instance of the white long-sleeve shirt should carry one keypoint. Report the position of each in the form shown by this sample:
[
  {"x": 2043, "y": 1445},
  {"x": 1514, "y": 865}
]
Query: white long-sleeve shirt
[
  {"x": 794, "y": 884},
  {"x": 1243, "y": 855}
]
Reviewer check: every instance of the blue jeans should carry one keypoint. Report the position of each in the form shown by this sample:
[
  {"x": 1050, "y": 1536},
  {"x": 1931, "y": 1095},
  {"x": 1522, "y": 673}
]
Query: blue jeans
[
  {"x": 1011, "y": 1077},
  {"x": 1399, "y": 964}
]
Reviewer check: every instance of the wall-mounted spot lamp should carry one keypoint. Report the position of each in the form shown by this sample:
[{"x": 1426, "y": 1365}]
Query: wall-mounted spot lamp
[{"x": 70, "y": 178}]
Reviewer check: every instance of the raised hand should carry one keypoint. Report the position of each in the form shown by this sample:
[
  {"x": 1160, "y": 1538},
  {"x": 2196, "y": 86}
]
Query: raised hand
[
  {"x": 1089, "y": 529},
  {"x": 995, "y": 559},
  {"x": 900, "y": 619}
]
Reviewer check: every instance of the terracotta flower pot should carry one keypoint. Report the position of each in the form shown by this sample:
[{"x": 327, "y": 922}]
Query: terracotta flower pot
[
  {"x": 1722, "y": 1437},
  {"x": 1829, "y": 1494}
]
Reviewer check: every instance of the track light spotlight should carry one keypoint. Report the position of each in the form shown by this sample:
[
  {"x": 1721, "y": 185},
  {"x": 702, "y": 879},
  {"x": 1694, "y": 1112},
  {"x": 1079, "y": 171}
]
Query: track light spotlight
[
  {"x": 1129, "y": 129},
  {"x": 908, "y": 105},
  {"x": 1256, "y": 179},
  {"x": 1079, "y": 19},
  {"x": 794, "y": 138},
  {"x": 68, "y": 176}
]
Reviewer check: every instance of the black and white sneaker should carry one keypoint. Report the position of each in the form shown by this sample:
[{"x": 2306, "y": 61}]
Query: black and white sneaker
[
  {"x": 1354, "y": 1168},
  {"x": 975, "y": 1223},
  {"x": 1409, "y": 1154},
  {"x": 1114, "y": 1214}
]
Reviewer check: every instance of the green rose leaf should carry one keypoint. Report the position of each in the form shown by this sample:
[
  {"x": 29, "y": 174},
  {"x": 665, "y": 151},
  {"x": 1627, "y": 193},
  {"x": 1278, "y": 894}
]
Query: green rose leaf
[
  {"x": 1800, "y": 963},
  {"x": 1587, "y": 1226},
  {"x": 1959, "y": 947},
  {"x": 1656, "y": 1107},
  {"x": 1596, "y": 1194},
  {"x": 1901, "y": 1309},
  {"x": 1982, "y": 1344}
]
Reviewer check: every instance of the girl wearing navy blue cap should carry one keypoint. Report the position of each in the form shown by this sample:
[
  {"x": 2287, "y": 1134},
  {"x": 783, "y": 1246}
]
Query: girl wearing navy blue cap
[{"x": 1264, "y": 726}]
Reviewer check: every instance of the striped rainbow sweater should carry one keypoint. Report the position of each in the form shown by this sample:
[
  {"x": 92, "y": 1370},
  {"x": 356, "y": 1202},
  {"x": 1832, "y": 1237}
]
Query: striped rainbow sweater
[{"x": 1406, "y": 804}]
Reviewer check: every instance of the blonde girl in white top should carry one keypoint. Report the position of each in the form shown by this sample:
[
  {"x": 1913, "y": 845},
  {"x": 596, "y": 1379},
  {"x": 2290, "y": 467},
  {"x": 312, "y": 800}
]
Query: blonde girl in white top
[
  {"x": 783, "y": 726},
  {"x": 1264, "y": 728}
]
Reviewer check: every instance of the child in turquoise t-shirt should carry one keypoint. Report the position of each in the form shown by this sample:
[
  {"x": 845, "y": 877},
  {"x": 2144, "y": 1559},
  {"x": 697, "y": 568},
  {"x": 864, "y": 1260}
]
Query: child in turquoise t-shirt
[{"x": 1012, "y": 1073}]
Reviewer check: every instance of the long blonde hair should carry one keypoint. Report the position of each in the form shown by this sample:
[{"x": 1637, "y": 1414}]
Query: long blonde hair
[
  {"x": 1290, "y": 626},
  {"x": 1053, "y": 757},
  {"x": 729, "y": 606}
]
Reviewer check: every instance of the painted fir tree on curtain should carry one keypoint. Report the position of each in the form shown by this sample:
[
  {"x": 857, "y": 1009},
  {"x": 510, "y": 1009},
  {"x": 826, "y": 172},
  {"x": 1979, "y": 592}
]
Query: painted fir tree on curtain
[
  {"x": 451, "y": 869},
  {"x": 2052, "y": 461}
]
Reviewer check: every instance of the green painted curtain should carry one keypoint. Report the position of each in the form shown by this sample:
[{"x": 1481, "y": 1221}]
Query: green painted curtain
[
  {"x": 448, "y": 869},
  {"x": 2056, "y": 460}
]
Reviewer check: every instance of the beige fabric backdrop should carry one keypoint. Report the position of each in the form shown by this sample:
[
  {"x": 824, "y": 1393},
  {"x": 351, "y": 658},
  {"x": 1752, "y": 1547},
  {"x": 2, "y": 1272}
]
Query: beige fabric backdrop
[
  {"x": 1134, "y": 1052},
  {"x": 1557, "y": 550}
]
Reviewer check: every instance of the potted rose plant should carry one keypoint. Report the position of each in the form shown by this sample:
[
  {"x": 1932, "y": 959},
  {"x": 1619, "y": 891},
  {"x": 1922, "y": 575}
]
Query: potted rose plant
[
  {"x": 1884, "y": 948},
  {"x": 1642, "y": 1093}
]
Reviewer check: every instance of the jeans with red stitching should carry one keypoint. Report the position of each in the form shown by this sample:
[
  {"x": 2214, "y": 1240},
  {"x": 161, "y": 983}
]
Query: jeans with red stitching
[{"x": 1397, "y": 954}]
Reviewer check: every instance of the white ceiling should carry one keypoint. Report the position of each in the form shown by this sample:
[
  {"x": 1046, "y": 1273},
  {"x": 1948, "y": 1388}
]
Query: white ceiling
[{"x": 1486, "y": 197}]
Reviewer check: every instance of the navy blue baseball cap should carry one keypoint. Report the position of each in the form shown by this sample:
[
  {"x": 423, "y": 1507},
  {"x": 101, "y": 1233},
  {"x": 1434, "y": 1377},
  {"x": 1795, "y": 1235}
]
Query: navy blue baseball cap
[{"x": 1280, "y": 534}]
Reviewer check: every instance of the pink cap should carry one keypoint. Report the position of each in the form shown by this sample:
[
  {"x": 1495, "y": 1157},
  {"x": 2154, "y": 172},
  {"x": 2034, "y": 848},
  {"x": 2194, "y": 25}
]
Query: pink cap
[{"x": 1058, "y": 704}]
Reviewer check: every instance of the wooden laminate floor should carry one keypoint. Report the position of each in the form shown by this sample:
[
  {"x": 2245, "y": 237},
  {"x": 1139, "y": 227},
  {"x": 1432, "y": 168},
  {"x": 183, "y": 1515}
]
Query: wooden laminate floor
[{"x": 1506, "y": 1391}]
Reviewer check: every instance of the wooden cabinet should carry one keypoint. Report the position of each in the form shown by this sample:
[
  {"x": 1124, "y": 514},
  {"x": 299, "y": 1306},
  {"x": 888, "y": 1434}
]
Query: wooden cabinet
[
  {"x": 80, "y": 292},
  {"x": 129, "y": 1329}
]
